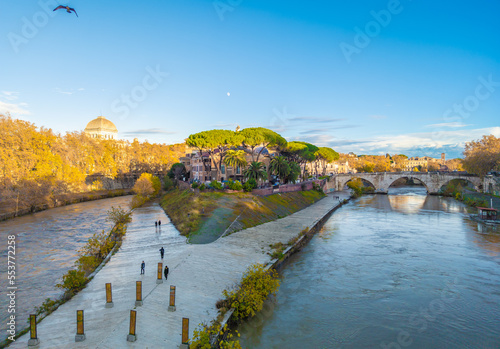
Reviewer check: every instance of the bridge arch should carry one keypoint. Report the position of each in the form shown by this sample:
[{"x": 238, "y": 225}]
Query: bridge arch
[
  {"x": 343, "y": 182},
  {"x": 476, "y": 186},
  {"x": 432, "y": 181},
  {"x": 419, "y": 179}
]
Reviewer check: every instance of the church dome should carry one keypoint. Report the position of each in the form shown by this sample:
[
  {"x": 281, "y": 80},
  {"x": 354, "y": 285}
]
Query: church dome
[
  {"x": 101, "y": 128},
  {"x": 101, "y": 124}
]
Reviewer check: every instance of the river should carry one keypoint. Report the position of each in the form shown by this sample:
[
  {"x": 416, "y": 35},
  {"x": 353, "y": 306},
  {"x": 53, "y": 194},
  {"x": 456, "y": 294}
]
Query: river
[
  {"x": 403, "y": 270},
  {"x": 46, "y": 248}
]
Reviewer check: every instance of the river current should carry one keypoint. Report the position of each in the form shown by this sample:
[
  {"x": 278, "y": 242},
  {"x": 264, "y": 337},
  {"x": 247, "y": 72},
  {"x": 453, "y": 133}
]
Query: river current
[{"x": 403, "y": 270}]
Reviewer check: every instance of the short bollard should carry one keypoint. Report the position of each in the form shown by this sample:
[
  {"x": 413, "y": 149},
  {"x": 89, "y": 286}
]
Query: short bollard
[
  {"x": 109, "y": 296},
  {"x": 185, "y": 334},
  {"x": 138, "y": 293},
  {"x": 80, "y": 333},
  {"x": 132, "y": 337},
  {"x": 159, "y": 280},
  {"x": 33, "y": 341},
  {"x": 171, "y": 306}
]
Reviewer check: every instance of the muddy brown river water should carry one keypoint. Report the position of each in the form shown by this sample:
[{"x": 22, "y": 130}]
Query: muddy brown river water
[{"x": 404, "y": 270}]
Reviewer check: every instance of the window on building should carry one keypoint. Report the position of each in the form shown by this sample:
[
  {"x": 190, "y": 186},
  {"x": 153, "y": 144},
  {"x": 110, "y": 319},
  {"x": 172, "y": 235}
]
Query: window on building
[
  {"x": 238, "y": 170},
  {"x": 223, "y": 169}
]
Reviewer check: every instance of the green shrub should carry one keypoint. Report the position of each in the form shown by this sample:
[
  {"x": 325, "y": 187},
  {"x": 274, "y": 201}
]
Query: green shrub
[
  {"x": 87, "y": 264},
  {"x": 203, "y": 186},
  {"x": 248, "y": 297},
  {"x": 216, "y": 185},
  {"x": 234, "y": 185},
  {"x": 118, "y": 215},
  {"x": 73, "y": 281},
  {"x": 356, "y": 186},
  {"x": 317, "y": 187},
  {"x": 250, "y": 185},
  {"x": 204, "y": 334},
  {"x": 168, "y": 183},
  {"x": 195, "y": 185},
  {"x": 47, "y": 307},
  {"x": 138, "y": 201}
]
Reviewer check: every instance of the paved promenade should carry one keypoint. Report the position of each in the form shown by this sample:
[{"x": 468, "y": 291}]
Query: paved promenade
[{"x": 199, "y": 272}]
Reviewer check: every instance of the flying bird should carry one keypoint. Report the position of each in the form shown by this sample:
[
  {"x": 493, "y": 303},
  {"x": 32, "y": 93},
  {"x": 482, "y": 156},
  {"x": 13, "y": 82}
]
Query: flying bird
[{"x": 67, "y": 8}]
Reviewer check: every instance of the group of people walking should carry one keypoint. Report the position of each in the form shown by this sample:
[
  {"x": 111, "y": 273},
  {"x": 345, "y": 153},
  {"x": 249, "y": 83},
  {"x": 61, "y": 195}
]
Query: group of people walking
[
  {"x": 162, "y": 253},
  {"x": 158, "y": 223}
]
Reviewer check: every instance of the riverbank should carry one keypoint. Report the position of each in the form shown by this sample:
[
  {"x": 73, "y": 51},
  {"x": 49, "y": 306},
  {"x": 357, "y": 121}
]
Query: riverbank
[
  {"x": 205, "y": 216},
  {"x": 8, "y": 211},
  {"x": 199, "y": 272}
]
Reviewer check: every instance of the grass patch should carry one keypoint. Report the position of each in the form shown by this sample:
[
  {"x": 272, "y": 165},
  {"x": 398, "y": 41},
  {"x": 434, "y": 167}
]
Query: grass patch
[{"x": 205, "y": 216}]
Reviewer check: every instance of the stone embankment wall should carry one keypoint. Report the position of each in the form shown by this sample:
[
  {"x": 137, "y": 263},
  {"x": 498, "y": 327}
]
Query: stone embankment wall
[
  {"x": 106, "y": 183},
  {"x": 66, "y": 199},
  {"x": 286, "y": 188}
]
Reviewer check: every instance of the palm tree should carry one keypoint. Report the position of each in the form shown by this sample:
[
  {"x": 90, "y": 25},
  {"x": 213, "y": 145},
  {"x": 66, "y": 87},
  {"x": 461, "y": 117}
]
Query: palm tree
[
  {"x": 256, "y": 171},
  {"x": 235, "y": 158},
  {"x": 279, "y": 166},
  {"x": 294, "y": 172}
]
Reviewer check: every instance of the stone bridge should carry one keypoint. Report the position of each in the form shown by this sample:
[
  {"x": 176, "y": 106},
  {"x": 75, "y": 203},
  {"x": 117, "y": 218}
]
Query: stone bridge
[{"x": 433, "y": 181}]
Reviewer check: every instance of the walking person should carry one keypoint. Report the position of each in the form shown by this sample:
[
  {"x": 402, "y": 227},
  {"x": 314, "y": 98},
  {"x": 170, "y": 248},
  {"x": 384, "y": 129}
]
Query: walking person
[
  {"x": 165, "y": 271},
  {"x": 162, "y": 252},
  {"x": 143, "y": 266},
  {"x": 156, "y": 224},
  {"x": 159, "y": 222}
]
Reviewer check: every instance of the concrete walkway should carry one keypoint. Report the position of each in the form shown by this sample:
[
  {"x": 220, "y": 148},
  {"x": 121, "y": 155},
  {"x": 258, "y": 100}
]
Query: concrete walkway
[{"x": 199, "y": 272}]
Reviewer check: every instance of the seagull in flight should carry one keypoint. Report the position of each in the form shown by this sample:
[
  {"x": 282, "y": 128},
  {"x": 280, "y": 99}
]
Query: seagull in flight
[{"x": 67, "y": 8}]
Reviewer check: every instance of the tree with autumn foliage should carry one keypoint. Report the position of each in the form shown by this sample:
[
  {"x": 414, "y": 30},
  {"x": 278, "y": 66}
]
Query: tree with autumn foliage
[
  {"x": 482, "y": 156},
  {"x": 37, "y": 165}
]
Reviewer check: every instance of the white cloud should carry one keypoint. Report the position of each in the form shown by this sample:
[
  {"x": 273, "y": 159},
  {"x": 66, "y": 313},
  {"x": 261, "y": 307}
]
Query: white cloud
[
  {"x": 58, "y": 90},
  {"x": 14, "y": 109},
  {"x": 9, "y": 95},
  {"x": 447, "y": 124},
  {"x": 412, "y": 143},
  {"x": 70, "y": 92}
]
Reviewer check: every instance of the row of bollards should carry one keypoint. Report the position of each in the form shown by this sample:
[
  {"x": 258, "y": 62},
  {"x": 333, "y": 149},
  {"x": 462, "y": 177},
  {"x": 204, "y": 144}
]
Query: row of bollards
[
  {"x": 132, "y": 336},
  {"x": 80, "y": 332}
]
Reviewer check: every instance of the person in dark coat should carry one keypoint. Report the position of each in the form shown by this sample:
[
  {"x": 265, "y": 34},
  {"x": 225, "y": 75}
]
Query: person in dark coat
[
  {"x": 143, "y": 266},
  {"x": 156, "y": 224},
  {"x": 165, "y": 271},
  {"x": 162, "y": 252},
  {"x": 159, "y": 222}
]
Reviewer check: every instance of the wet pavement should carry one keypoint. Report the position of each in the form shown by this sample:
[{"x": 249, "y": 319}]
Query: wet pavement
[{"x": 199, "y": 272}]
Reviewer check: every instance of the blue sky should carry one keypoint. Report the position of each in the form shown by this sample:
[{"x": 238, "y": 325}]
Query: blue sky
[{"x": 412, "y": 77}]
